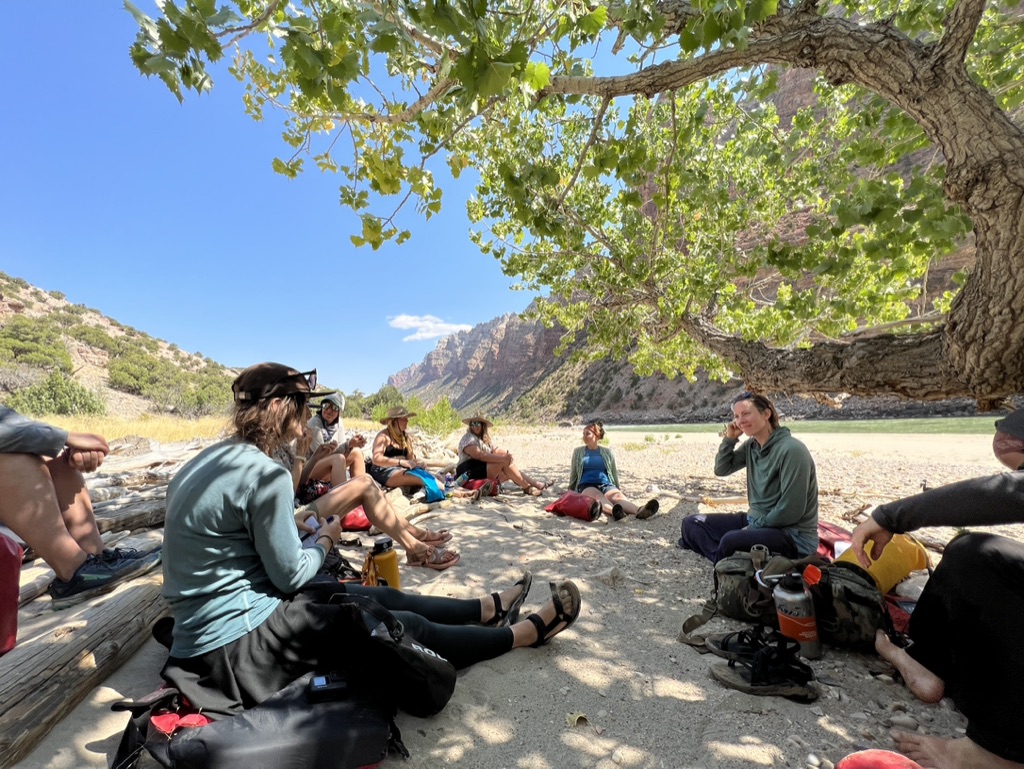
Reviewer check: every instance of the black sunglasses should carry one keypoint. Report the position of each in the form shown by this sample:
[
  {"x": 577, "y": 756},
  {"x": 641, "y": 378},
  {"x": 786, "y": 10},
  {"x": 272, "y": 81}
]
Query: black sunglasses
[
  {"x": 476, "y": 424},
  {"x": 310, "y": 378}
]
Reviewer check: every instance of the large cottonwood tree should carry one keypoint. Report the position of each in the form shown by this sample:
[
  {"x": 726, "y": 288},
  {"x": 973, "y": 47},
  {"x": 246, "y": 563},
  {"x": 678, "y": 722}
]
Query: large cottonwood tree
[{"x": 632, "y": 162}]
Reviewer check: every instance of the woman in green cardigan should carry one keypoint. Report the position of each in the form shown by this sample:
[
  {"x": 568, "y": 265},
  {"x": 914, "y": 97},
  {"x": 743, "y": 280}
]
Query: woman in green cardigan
[{"x": 593, "y": 473}]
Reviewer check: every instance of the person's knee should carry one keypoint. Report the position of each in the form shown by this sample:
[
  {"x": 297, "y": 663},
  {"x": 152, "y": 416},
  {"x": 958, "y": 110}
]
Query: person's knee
[{"x": 354, "y": 456}]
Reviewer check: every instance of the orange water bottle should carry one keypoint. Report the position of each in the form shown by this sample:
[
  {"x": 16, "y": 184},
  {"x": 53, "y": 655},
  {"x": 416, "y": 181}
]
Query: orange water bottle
[
  {"x": 386, "y": 558},
  {"x": 10, "y": 573},
  {"x": 796, "y": 615}
]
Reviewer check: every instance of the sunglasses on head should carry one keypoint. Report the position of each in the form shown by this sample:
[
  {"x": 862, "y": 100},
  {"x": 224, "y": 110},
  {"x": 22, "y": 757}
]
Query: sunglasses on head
[{"x": 310, "y": 378}]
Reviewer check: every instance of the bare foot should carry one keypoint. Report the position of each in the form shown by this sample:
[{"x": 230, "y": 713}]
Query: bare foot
[
  {"x": 940, "y": 753},
  {"x": 507, "y": 598},
  {"x": 924, "y": 684}
]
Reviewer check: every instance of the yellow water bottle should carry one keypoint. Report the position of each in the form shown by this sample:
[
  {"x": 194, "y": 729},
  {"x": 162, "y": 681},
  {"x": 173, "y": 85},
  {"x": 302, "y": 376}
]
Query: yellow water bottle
[{"x": 386, "y": 559}]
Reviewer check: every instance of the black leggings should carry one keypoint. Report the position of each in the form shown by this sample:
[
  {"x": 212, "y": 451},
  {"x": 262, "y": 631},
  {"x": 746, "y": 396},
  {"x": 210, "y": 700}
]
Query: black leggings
[
  {"x": 303, "y": 634},
  {"x": 967, "y": 629},
  {"x": 442, "y": 624}
]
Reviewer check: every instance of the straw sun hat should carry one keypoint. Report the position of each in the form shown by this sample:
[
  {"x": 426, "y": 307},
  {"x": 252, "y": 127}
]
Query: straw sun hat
[
  {"x": 478, "y": 418},
  {"x": 398, "y": 412}
]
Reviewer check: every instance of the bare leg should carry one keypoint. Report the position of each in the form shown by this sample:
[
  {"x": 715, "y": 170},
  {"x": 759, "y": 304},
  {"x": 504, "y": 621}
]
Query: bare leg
[
  {"x": 356, "y": 463},
  {"x": 922, "y": 682},
  {"x": 512, "y": 473},
  {"x": 616, "y": 497},
  {"x": 404, "y": 480},
  {"x": 364, "y": 491},
  {"x": 940, "y": 753},
  {"x": 331, "y": 468},
  {"x": 41, "y": 507}
]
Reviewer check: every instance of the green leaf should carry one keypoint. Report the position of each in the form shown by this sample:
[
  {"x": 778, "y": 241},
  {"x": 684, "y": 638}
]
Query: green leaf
[
  {"x": 538, "y": 75},
  {"x": 594, "y": 22},
  {"x": 494, "y": 77}
]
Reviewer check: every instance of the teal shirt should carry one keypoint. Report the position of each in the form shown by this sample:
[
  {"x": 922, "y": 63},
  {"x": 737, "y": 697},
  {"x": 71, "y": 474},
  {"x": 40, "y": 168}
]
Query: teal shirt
[
  {"x": 782, "y": 485},
  {"x": 231, "y": 549}
]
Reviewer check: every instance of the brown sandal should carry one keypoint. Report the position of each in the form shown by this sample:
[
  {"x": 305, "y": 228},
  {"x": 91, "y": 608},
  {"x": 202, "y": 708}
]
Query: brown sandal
[{"x": 436, "y": 558}]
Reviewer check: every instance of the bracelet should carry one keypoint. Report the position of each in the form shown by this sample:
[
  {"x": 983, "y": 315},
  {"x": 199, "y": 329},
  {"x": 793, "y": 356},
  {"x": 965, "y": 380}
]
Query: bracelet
[{"x": 328, "y": 538}]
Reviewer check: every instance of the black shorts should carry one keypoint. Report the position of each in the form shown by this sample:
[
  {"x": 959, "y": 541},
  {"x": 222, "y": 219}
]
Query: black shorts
[{"x": 476, "y": 468}]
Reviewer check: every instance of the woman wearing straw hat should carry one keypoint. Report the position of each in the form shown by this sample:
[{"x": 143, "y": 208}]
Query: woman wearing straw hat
[
  {"x": 394, "y": 456},
  {"x": 479, "y": 457}
]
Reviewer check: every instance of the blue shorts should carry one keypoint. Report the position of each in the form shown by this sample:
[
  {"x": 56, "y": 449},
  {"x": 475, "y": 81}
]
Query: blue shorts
[{"x": 604, "y": 488}]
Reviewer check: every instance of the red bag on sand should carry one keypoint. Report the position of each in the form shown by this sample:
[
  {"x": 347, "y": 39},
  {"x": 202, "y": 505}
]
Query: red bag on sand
[
  {"x": 576, "y": 505},
  {"x": 877, "y": 759},
  {"x": 829, "y": 535},
  {"x": 356, "y": 520},
  {"x": 473, "y": 485}
]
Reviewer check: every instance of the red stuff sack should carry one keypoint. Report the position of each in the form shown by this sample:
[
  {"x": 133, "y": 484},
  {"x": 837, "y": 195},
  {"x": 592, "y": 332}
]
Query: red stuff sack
[
  {"x": 473, "y": 485},
  {"x": 10, "y": 572},
  {"x": 356, "y": 520},
  {"x": 829, "y": 535},
  {"x": 576, "y": 505}
]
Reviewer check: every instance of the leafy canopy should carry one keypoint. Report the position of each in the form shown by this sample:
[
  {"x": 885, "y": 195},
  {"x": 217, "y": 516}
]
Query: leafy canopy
[{"x": 670, "y": 193}]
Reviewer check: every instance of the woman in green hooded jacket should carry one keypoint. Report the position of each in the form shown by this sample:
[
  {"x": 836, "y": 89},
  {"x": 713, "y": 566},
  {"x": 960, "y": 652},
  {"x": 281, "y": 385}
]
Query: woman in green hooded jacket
[{"x": 782, "y": 489}]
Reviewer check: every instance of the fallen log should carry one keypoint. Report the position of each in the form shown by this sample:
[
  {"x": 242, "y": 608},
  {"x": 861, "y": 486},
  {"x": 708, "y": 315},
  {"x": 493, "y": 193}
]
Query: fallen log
[{"x": 65, "y": 654}]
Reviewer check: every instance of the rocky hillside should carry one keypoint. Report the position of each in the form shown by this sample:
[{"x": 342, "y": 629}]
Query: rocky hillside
[{"x": 130, "y": 371}]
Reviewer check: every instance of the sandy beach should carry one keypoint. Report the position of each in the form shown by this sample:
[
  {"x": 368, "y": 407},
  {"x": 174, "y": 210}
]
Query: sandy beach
[{"x": 618, "y": 689}]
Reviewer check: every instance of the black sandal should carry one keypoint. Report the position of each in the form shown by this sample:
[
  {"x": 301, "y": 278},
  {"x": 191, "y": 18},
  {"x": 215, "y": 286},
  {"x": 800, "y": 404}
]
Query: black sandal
[
  {"x": 510, "y": 616},
  {"x": 773, "y": 670},
  {"x": 545, "y": 632},
  {"x": 744, "y": 644}
]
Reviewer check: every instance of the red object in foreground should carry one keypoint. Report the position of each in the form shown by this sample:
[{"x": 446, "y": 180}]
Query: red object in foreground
[
  {"x": 877, "y": 759},
  {"x": 10, "y": 571}
]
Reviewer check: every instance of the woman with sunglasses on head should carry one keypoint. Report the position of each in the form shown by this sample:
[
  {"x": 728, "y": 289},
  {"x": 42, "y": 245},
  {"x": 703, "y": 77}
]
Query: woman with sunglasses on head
[
  {"x": 782, "y": 489},
  {"x": 480, "y": 458},
  {"x": 593, "y": 472},
  {"x": 248, "y": 619}
]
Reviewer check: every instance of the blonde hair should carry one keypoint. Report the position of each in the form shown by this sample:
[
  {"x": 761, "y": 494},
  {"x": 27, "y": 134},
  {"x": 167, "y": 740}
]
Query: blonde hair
[
  {"x": 256, "y": 422},
  {"x": 399, "y": 439}
]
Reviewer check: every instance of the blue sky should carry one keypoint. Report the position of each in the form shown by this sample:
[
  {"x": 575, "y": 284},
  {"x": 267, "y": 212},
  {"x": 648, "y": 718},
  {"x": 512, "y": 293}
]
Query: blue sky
[{"x": 168, "y": 217}]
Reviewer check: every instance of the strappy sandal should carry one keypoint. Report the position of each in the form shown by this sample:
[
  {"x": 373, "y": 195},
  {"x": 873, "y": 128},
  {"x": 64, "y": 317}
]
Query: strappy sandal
[
  {"x": 648, "y": 510},
  {"x": 545, "y": 632},
  {"x": 435, "y": 538},
  {"x": 436, "y": 558},
  {"x": 772, "y": 670},
  {"x": 510, "y": 616},
  {"x": 532, "y": 491},
  {"x": 744, "y": 644}
]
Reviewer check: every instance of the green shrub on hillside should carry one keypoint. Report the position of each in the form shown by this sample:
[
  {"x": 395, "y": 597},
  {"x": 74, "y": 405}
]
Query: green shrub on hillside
[
  {"x": 57, "y": 394},
  {"x": 34, "y": 342},
  {"x": 190, "y": 393},
  {"x": 93, "y": 336}
]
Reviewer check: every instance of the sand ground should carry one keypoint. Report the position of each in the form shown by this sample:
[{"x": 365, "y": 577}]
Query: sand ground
[{"x": 648, "y": 700}]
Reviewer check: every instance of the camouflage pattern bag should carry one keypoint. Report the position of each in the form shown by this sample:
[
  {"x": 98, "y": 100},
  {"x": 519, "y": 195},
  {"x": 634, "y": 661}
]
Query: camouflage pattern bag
[{"x": 848, "y": 607}]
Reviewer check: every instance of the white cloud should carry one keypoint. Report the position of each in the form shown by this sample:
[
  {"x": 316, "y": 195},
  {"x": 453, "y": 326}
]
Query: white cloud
[{"x": 426, "y": 327}]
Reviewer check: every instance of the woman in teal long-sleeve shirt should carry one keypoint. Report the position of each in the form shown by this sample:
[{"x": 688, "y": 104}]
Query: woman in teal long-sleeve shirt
[{"x": 782, "y": 489}]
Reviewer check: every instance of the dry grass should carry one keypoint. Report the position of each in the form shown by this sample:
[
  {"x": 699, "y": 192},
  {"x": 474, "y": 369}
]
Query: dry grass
[{"x": 159, "y": 427}]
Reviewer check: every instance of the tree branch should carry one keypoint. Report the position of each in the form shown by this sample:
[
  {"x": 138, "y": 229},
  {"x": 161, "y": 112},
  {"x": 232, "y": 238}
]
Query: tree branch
[
  {"x": 961, "y": 26},
  {"x": 240, "y": 32},
  {"x": 598, "y": 119}
]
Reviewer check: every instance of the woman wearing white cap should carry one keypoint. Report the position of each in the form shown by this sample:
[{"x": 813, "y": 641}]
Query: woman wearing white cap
[{"x": 345, "y": 459}]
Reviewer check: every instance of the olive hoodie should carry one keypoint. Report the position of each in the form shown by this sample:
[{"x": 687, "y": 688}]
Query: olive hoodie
[{"x": 782, "y": 485}]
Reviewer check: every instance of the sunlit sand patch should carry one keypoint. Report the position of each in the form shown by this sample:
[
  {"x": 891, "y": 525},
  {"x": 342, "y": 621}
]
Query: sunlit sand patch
[
  {"x": 686, "y": 691},
  {"x": 750, "y": 749}
]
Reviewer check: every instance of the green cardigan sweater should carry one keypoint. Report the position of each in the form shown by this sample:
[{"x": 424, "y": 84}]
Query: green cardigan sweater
[{"x": 576, "y": 466}]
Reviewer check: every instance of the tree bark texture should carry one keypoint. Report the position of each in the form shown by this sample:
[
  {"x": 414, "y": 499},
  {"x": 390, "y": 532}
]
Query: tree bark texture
[{"x": 976, "y": 353}]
